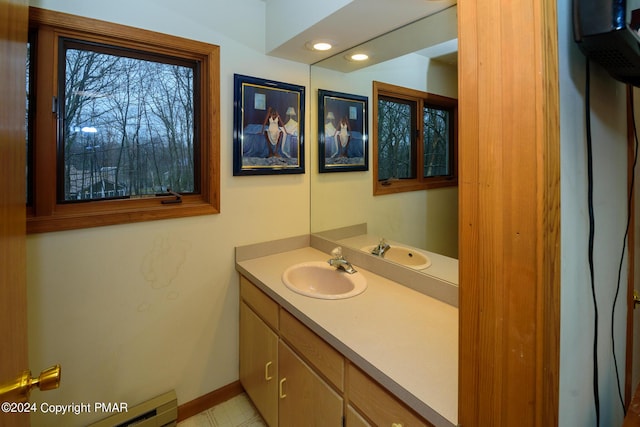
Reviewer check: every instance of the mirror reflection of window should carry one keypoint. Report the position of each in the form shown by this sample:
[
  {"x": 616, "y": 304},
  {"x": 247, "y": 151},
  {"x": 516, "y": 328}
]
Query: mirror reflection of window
[
  {"x": 395, "y": 138},
  {"x": 415, "y": 131},
  {"x": 436, "y": 135}
]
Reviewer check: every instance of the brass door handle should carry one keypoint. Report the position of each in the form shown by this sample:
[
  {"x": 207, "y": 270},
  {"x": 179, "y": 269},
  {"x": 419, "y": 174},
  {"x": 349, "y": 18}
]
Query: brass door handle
[
  {"x": 20, "y": 388},
  {"x": 636, "y": 299}
]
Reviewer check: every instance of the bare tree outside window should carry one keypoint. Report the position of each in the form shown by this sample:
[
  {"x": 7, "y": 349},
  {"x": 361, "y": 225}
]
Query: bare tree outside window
[
  {"x": 128, "y": 128},
  {"x": 395, "y": 151},
  {"x": 437, "y": 134}
]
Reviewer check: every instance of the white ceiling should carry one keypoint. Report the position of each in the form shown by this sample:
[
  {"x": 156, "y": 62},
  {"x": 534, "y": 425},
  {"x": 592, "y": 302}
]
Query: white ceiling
[
  {"x": 353, "y": 24},
  {"x": 435, "y": 36}
]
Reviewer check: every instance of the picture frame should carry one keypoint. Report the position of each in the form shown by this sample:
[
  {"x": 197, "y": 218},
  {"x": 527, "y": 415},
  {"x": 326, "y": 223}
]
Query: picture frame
[
  {"x": 268, "y": 127},
  {"x": 343, "y": 132}
]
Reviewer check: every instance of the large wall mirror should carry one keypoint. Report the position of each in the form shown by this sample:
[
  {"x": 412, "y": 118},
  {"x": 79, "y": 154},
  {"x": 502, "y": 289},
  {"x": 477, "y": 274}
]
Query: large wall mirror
[{"x": 420, "y": 56}]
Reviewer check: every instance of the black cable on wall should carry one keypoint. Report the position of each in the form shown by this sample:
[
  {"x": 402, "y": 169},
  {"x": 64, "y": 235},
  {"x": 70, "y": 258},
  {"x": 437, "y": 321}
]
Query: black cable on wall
[
  {"x": 596, "y": 395},
  {"x": 590, "y": 179}
]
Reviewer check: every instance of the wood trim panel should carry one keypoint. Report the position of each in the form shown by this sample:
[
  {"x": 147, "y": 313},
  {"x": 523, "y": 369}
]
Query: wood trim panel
[
  {"x": 631, "y": 238},
  {"x": 99, "y": 30},
  {"x": 548, "y": 228},
  {"x": 632, "y": 419},
  {"x": 209, "y": 400},
  {"x": 509, "y": 213}
]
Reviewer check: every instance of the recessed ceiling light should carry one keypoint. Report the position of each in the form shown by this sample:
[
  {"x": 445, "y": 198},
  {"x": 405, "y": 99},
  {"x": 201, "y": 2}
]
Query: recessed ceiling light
[
  {"x": 322, "y": 46},
  {"x": 359, "y": 57},
  {"x": 319, "y": 46}
]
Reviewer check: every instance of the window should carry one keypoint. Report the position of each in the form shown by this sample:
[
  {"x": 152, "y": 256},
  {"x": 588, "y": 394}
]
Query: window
[
  {"x": 123, "y": 124},
  {"x": 414, "y": 140}
]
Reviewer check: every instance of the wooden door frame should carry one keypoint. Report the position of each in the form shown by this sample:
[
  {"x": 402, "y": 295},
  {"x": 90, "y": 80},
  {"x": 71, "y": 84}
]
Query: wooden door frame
[
  {"x": 631, "y": 390},
  {"x": 13, "y": 293},
  {"x": 628, "y": 382},
  {"x": 509, "y": 199}
]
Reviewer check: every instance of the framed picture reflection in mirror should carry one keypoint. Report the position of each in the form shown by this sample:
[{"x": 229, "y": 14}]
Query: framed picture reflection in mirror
[{"x": 343, "y": 140}]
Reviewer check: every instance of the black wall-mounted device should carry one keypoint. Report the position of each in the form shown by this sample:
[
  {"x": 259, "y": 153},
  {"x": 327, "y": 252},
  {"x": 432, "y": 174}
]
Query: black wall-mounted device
[{"x": 607, "y": 33}]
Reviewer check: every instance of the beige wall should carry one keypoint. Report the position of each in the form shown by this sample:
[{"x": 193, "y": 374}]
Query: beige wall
[
  {"x": 608, "y": 119},
  {"x": 134, "y": 310}
]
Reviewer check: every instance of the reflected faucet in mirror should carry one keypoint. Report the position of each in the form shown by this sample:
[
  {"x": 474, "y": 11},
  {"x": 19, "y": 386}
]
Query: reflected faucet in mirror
[{"x": 381, "y": 249}]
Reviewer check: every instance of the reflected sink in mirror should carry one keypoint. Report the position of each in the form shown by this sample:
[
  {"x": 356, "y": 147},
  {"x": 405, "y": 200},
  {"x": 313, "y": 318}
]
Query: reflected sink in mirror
[
  {"x": 404, "y": 256},
  {"x": 357, "y": 238},
  {"x": 317, "y": 279}
]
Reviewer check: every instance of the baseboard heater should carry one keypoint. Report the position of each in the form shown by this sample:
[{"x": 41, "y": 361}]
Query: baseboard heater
[{"x": 161, "y": 411}]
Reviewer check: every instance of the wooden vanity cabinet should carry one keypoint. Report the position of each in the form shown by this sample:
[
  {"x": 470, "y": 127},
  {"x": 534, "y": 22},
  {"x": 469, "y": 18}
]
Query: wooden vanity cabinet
[
  {"x": 285, "y": 389},
  {"x": 294, "y": 377}
]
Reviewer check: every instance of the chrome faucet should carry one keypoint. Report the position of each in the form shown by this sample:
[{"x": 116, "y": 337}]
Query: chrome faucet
[
  {"x": 339, "y": 262},
  {"x": 381, "y": 249}
]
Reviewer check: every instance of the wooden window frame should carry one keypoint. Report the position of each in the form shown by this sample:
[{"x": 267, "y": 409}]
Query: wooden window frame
[
  {"x": 421, "y": 99},
  {"x": 46, "y": 213}
]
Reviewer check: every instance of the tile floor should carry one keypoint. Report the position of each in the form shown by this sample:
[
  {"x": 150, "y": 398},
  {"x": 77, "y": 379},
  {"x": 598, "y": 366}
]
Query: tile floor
[{"x": 235, "y": 412}]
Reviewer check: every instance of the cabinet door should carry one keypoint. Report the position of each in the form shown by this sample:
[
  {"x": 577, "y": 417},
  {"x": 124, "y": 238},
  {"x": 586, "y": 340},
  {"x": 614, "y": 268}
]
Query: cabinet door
[
  {"x": 305, "y": 399},
  {"x": 259, "y": 364}
]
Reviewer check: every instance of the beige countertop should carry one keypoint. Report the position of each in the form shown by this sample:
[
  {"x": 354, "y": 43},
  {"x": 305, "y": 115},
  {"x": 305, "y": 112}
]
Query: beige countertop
[{"x": 404, "y": 339}]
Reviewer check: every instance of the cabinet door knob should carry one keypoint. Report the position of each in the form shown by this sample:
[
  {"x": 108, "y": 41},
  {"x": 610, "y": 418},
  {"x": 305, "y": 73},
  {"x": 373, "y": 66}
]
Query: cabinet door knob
[
  {"x": 266, "y": 371},
  {"x": 281, "y": 388},
  {"x": 396, "y": 424}
]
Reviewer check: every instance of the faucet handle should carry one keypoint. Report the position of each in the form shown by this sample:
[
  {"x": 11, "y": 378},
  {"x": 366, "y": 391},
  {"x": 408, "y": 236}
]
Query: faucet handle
[{"x": 337, "y": 252}]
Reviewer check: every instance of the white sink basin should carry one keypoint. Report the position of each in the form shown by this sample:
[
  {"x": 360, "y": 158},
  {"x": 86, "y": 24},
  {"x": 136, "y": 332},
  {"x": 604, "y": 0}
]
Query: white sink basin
[
  {"x": 317, "y": 279},
  {"x": 405, "y": 256}
]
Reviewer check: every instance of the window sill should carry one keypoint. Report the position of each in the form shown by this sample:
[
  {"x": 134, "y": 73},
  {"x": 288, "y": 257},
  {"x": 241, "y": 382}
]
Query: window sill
[
  {"x": 401, "y": 186},
  {"x": 72, "y": 219}
]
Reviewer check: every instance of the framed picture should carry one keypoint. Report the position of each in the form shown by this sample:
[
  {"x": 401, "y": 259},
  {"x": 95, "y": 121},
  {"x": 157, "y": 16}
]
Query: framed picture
[
  {"x": 268, "y": 127},
  {"x": 343, "y": 140}
]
